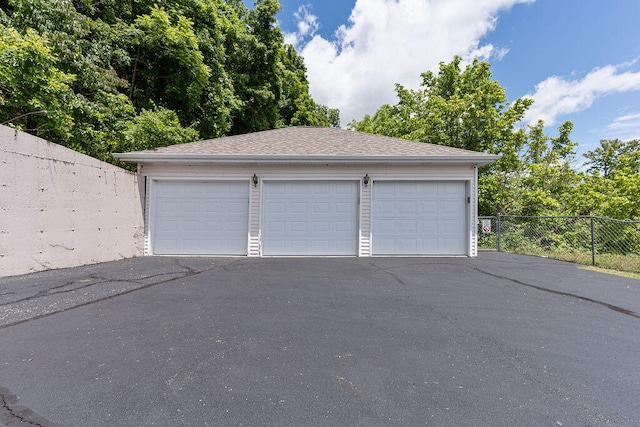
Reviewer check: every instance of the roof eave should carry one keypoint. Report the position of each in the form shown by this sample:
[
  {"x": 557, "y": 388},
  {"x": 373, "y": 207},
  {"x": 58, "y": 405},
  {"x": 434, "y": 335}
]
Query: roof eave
[{"x": 479, "y": 160}]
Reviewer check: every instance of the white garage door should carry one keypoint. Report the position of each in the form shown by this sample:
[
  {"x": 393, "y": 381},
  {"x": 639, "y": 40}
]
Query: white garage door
[
  {"x": 419, "y": 218},
  {"x": 200, "y": 218},
  {"x": 310, "y": 218}
]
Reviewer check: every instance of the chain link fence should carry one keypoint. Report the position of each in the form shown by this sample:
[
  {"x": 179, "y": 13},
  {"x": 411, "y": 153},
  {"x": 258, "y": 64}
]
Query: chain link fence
[{"x": 602, "y": 242}]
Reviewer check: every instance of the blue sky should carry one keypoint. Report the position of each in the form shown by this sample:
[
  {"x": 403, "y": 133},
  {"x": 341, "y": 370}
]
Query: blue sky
[{"x": 578, "y": 59}]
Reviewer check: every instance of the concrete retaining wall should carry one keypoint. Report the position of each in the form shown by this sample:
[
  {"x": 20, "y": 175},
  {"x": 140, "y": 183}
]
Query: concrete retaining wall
[{"x": 60, "y": 208}]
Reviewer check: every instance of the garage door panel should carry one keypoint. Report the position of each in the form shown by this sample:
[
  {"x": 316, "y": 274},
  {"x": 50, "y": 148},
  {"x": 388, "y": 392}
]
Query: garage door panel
[
  {"x": 429, "y": 208},
  {"x": 300, "y": 208},
  {"x": 427, "y": 244},
  {"x": 275, "y": 227},
  {"x": 167, "y": 206},
  {"x": 344, "y": 246},
  {"x": 321, "y": 246},
  {"x": 238, "y": 227},
  {"x": 384, "y": 207},
  {"x": 406, "y": 190},
  {"x": 167, "y": 225},
  {"x": 419, "y": 218},
  {"x": 385, "y": 227},
  {"x": 212, "y": 207},
  {"x": 344, "y": 189},
  {"x": 427, "y": 191},
  {"x": 200, "y": 218},
  {"x": 310, "y": 218},
  {"x": 429, "y": 227},
  {"x": 344, "y": 226},
  {"x": 322, "y": 227},
  {"x": 191, "y": 207},
  {"x": 453, "y": 207},
  {"x": 298, "y": 188},
  {"x": 408, "y": 226},
  {"x": 407, "y": 245},
  {"x": 212, "y": 226},
  {"x": 239, "y": 207},
  {"x": 449, "y": 227},
  {"x": 320, "y": 188},
  {"x": 298, "y": 246},
  {"x": 451, "y": 189},
  {"x": 407, "y": 207},
  {"x": 320, "y": 208},
  {"x": 346, "y": 208},
  {"x": 299, "y": 226},
  {"x": 275, "y": 207}
]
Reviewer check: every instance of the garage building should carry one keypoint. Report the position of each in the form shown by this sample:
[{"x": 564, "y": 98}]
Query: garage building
[{"x": 310, "y": 191}]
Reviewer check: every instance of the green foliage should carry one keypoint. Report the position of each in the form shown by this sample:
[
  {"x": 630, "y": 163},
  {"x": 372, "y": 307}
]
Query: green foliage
[
  {"x": 168, "y": 67},
  {"x": 155, "y": 128},
  {"x": 616, "y": 243},
  {"x": 612, "y": 184},
  {"x": 533, "y": 177},
  {"x": 461, "y": 108},
  {"x": 92, "y": 74},
  {"x": 614, "y": 155},
  {"x": 466, "y": 108},
  {"x": 42, "y": 102}
]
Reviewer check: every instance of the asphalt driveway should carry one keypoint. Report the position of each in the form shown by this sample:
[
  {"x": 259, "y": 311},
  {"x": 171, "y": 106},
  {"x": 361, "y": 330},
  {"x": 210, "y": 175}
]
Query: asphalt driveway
[{"x": 497, "y": 340}]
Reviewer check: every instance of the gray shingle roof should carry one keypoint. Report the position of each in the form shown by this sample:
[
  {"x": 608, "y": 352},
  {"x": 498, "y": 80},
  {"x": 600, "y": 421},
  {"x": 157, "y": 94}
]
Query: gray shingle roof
[
  {"x": 321, "y": 142},
  {"x": 311, "y": 141}
]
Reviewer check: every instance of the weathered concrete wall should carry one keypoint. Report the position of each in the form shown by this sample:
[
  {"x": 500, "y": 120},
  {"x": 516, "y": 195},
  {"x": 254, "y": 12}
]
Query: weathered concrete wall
[{"x": 60, "y": 208}]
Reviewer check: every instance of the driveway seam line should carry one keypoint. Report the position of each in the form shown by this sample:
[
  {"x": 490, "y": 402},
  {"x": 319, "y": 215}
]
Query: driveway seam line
[{"x": 566, "y": 294}]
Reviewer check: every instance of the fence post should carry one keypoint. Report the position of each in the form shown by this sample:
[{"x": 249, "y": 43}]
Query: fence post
[
  {"x": 593, "y": 244},
  {"x": 498, "y": 233}
]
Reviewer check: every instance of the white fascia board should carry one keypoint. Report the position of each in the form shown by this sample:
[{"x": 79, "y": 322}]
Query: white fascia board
[{"x": 480, "y": 160}]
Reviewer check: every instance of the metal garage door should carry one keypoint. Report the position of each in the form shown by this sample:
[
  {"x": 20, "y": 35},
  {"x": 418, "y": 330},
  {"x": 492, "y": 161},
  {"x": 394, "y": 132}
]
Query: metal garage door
[
  {"x": 200, "y": 218},
  {"x": 310, "y": 218},
  {"x": 419, "y": 218}
]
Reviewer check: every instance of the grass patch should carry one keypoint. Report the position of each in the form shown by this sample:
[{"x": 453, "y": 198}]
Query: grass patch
[
  {"x": 616, "y": 272},
  {"x": 611, "y": 262}
]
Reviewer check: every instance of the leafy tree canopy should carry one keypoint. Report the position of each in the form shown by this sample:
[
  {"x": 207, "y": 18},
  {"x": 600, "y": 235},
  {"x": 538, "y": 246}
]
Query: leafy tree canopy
[
  {"x": 97, "y": 76},
  {"x": 465, "y": 107}
]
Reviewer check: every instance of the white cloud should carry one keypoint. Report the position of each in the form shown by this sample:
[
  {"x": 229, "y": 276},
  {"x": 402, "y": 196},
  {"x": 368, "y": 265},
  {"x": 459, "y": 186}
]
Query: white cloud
[
  {"x": 555, "y": 96},
  {"x": 392, "y": 41},
  {"x": 625, "y": 127},
  {"x": 307, "y": 26}
]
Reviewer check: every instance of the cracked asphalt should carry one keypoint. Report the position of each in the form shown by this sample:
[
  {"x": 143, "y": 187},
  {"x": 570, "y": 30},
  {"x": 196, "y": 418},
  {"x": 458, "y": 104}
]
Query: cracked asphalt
[{"x": 173, "y": 341}]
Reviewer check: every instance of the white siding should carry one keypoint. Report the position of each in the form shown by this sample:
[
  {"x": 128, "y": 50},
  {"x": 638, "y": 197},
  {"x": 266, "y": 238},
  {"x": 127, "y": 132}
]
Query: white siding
[
  {"x": 254, "y": 220},
  {"x": 147, "y": 210},
  {"x": 473, "y": 214},
  {"x": 365, "y": 220}
]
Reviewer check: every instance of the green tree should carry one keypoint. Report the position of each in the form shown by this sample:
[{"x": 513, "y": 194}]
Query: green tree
[
  {"x": 152, "y": 129},
  {"x": 534, "y": 175},
  {"x": 83, "y": 72},
  {"x": 466, "y": 108},
  {"x": 168, "y": 68},
  {"x": 614, "y": 155},
  {"x": 35, "y": 96},
  {"x": 253, "y": 64},
  {"x": 463, "y": 108},
  {"x": 611, "y": 185}
]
